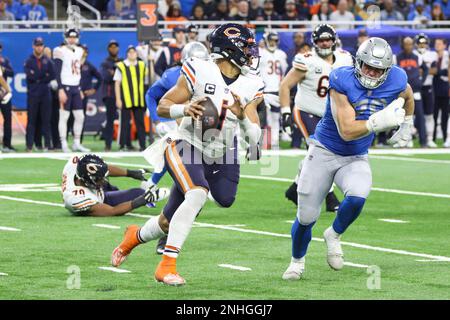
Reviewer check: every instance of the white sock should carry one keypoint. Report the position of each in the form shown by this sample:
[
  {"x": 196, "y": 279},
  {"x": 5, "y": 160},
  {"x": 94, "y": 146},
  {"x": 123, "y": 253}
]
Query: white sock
[
  {"x": 274, "y": 122},
  {"x": 429, "y": 126},
  {"x": 182, "y": 220},
  {"x": 295, "y": 260},
  {"x": 62, "y": 124},
  {"x": 78, "y": 123},
  {"x": 151, "y": 230}
]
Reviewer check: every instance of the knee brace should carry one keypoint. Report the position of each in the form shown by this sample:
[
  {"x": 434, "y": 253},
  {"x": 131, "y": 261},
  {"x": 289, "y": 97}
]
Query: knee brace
[{"x": 196, "y": 198}]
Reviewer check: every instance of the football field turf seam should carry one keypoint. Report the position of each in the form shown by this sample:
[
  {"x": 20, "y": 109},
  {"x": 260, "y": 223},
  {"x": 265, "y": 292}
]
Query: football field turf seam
[{"x": 259, "y": 232}]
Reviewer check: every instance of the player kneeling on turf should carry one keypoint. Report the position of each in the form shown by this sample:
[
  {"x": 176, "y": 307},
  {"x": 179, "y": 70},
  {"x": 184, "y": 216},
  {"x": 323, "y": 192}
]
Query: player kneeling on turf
[{"x": 87, "y": 192}]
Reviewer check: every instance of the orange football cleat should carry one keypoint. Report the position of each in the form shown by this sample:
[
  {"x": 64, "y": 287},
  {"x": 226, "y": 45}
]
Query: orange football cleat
[
  {"x": 130, "y": 241},
  {"x": 166, "y": 272}
]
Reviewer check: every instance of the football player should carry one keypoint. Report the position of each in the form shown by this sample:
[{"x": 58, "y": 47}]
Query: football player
[
  {"x": 370, "y": 97},
  {"x": 273, "y": 65},
  {"x": 164, "y": 125},
  {"x": 68, "y": 75},
  {"x": 205, "y": 163},
  {"x": 87, "y": 192},
  {"x": 430, "y": 58},
  {"x": 310, "y": 72}
]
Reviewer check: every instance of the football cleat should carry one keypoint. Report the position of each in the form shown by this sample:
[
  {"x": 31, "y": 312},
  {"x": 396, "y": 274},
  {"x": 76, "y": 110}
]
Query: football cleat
[
  {"x": 335, "y": 256},
  {"x": 166, "y": 272},
  {"x": 295, "y": 270},
  {"x": 332, "y": 202},
  {"x": 130, "y": 241}
]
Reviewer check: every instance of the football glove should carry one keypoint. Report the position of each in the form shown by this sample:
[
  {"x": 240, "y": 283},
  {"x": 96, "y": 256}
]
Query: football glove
[
  {"x": 253, "y": 152},
  {"x": 390, "y": 117},
  {"x": 6, "y": 98},
  {"x": 137, "y": 174},
  {"x": 149, "y": 196},
  {"x": 404, "y": 134},
  {"x": 286, "y": 120}
]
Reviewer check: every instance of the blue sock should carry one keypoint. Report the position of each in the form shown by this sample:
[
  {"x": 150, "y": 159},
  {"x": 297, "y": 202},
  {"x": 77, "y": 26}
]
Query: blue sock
[
  {"x": 349, "y": 210},
  {"x": 301, "y": 237},
  {"x": 157, "y": 176}
]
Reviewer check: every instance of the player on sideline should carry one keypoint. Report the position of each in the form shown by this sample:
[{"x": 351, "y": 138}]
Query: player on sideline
[
  {"x": 310, "y": 72},
  {"x": 210, "y": 164},
  {"x": 87, "y": 192},
  {"x": 68, "y": 62},
  {"x": 273, "y": 65},
  {"x": 370, "y": 97}
]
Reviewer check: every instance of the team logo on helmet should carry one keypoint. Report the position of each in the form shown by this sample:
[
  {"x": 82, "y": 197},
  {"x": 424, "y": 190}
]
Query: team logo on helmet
[
  {"x": 91, "y": 168},
  {"x": 232, "y": 32}
]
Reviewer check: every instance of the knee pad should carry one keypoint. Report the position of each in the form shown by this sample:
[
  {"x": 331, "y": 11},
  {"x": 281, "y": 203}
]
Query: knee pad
[
  {"x": 64, "y": 115},
  {"x": 307, "y": 215},
  {"x": 225, "y": 202},
  {"x": 196, "y": 198}
]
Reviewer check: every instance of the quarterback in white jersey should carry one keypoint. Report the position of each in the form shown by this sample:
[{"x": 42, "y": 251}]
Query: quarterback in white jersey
[
  {"x": 273, "y": 65},
  {"x": 209, "y": 163},
  {"x": 68, "y": 75},
  {"x": 87, "y": 192},
  {"x": 310, "y": 73},
  {"x": 430, "y": 58}
]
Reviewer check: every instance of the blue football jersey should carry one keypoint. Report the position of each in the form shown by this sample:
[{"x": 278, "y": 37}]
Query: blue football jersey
[{"x": 364, "y": 101}]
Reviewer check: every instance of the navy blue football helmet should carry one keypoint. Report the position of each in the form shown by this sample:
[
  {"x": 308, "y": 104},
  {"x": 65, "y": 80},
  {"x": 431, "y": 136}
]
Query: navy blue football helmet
[
  {"x": 92, "y": 171},
  {"x": 271, "y": 36},
  {"x": 324, "y": 32},
  {"x": 235, "y": 43}
]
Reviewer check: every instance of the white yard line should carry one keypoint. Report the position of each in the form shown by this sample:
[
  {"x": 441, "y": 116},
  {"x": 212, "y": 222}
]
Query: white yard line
[
  {"x": 431, "y": 260},
  {"x": 117, "y": 270},
  {"x": 32, "y": 201},
  {"x": 230, "y": 266},
  {"x": 8, "y": 229},
  {"x": 410, "y": 159},
  {"x": 3, "y": 274},
  {"x": 106, "y": 226},
  {"x": 356, "y": 265},
  {"x": 273, "y": 234},
  {"x": 393, "y": 220}
]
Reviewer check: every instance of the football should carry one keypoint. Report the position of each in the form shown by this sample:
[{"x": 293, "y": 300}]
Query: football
[{"x": 209, "y": 119}]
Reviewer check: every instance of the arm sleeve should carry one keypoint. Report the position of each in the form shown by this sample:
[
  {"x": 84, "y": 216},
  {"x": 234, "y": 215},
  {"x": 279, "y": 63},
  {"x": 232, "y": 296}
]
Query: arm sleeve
[
  {"x": 58, "y": 68},
  {"x": 154, "y": 93},
  {"x": 188, "y": 71}
]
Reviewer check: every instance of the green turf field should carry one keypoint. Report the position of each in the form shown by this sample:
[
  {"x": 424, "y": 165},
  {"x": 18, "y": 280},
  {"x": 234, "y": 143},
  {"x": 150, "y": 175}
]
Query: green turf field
[{"x": 254, "y": 233}]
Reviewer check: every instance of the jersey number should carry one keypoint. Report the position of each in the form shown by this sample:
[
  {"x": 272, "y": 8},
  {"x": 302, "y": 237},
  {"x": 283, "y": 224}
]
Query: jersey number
[
  {"x": 76, "y": 192},
  {"x": 322, "y": 89},
  {"x": 274, "y": 67}
]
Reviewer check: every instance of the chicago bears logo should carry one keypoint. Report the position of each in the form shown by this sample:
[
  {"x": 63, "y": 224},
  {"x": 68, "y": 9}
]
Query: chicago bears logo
[
  {"x": 92, "y": 168},
  {"x": 232, "y": 32}
]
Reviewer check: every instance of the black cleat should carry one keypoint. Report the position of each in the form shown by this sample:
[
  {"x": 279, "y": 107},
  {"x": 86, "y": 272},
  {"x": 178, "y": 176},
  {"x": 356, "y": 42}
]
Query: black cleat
[
  {"x": 332, "y": 202},
  {"x": 161, "y": 245},
  {"x": 291, "y": 193}
]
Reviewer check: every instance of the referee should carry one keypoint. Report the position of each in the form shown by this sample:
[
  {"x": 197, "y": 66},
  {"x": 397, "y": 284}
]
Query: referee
[{"x": 129, "y": 88}]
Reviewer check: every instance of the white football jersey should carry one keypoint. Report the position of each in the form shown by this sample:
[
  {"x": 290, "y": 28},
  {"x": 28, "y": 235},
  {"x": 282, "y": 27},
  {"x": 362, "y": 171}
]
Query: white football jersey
[
  {"x": 429, "y": 57},
  {"x": 312, "y": 91},
  {"x": 77, "y": 199},
  {"x": 71, "y": 67},
  {"x": 205, "y": 80},
  {"x": 272, "y": 66}
]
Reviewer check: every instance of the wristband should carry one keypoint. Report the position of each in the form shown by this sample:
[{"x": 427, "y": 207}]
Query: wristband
[{"x": 177, "y": 111}]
